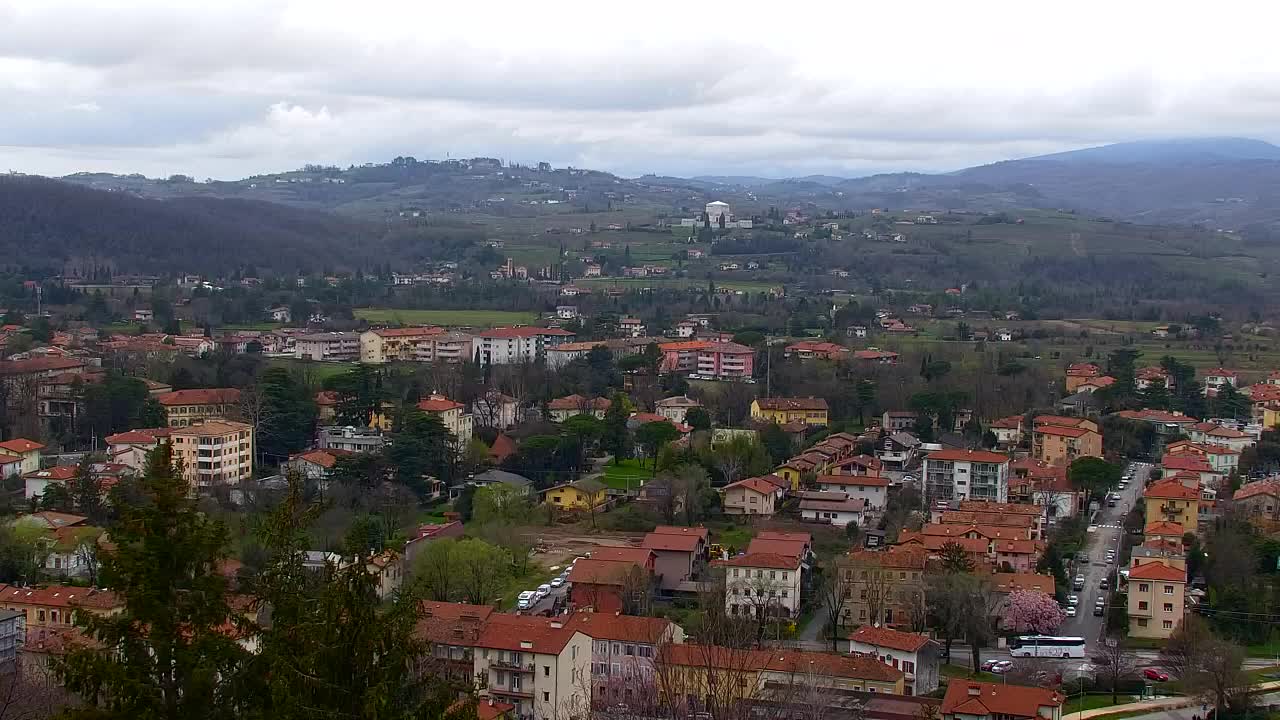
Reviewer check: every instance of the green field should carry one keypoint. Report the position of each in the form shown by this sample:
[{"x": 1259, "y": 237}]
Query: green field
[
  {"x": 626, "y": 475},
  {"x": 320, "y": 371},
  {"x": 458, "y": 318},
  {"x": 661, "y": 282}
]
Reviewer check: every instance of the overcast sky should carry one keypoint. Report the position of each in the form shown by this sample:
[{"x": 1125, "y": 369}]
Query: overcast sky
[{"x": 230, "y": 88}]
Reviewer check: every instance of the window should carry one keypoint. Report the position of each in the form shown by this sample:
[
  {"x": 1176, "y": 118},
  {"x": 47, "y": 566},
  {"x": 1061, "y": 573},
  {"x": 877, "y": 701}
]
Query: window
[
  {"x": 1168, "y": 589},
  {"x": 1167, "y": 625},
  {"x": 1142, "y": 622},
  {"x": 735, "y": 572},
  {"x": 1168, "y": 607},
  {"x": 546, "y": 671},
  {"x": 908, "y": 666},
  {"x": 1144, "y": 587},
  {"x": 785, "y": 593},
  {"x": 785, "y": 574},
  {"x": 40, "y": 615},
  {"x": 1142, "y": 604},
  {"x": 773, "y": 575}
]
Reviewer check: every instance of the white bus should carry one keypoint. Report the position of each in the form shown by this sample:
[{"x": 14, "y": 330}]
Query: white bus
[{"x": 1046, "y": 646}]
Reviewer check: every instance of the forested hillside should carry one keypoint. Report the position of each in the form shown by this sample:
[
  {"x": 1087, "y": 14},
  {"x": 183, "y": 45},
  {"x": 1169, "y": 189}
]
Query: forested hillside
[{"x": 44, "y": 223}]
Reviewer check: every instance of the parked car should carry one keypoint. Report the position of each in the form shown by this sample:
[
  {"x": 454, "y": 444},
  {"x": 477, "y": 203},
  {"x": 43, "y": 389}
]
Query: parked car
[
  {"x": 525, "y": 599},
  {"x": 1073, "y": 600},
  {"x": 988, "y": 664},
  {"x": 1155, "y": 674},
  {"x": 543, "y": 591},
  {"x": 1079, "y": 583},
  {"x": 557, "y": 582},
  {"x": 1002, "y": 666},
  {"x": 1099, "y": 609},
  {"x": 1071, "y": 611}
]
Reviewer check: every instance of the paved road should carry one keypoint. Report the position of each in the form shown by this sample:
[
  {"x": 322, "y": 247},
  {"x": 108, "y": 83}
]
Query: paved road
[{"x": 1107, "y": 530}]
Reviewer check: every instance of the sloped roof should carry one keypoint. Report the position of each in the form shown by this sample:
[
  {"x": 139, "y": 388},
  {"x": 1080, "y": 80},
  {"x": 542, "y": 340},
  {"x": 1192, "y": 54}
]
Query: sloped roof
[
  {"x": 438, "y": 404},
  {"x": 668, "y": 542},
  {"x": 1171, "y": 490},
  {"x": 1157, "y": 571},
  {"x": 20, "y": 445},
  {"x": 201, "y": 396},
  {"x": 595, "y": 571},
  {"x": 1163, "y": 527},
  {"x": 623, "y": 628},
  {"x": 969, "y": 697},
  {"x": 809, "y": 403},
  {"x": 888, "y": 638},
  {"x": 511, "y": 632},
  {"x": 59, "y": 596},
  {"x": 763, "y": 560},
  {"x": 981, "y": 456},
  {"x": 1262, "y": 487},
  {"x": 760, "y": 485}
]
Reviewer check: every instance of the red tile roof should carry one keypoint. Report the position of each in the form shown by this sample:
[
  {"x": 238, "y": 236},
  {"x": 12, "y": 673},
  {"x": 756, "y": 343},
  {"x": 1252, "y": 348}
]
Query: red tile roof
[
  {"x": 39, "y": 364},
  {"x": 328, "y": 398},
  {"x": 1071, "y": 432},
  {"x": 854, "y": 505},
  {"x": 760, "y": 485},
  {"x": 680, "y": 530},
  {"x": 20, "y": 445},
  {"x": 956, "y": 455},
  {"x": 803, "y": 662},
  {"x": 1008, "y": 582},
  {"x": 407, "y": 332},
  {"x": 1171, "y": 490},
  {"x": 578, "y": 402},
  {"x": 325, "y": 458},
  {"x": 623, "y": 628},
  {"x": 887, "y": 638},
  {"x": 202, "y": 396},
  {"x": 969, "y": 697},
  {"x": 905, "y": 558},
  {"x": 992, "y": 532},
  {"x": 778, "y": 546},
  {"x": 639, "y": 555},
  {"x": 148, "y": 436},
  {"x": 451, "y": 623},
  {"x": 1186, "y": 461},
  {"x": 763, "y": 560},
  {"x": 57, "y": 473},
  {"x": 1262, "y": 487},
  {"x": 512, "y": 632},
  {"x": 59, "y": 596},
  {"x": 1157, "y": 571},
  {"x": 602, "y": 572},
  {"x": 667, "y": 542},
  {"x": 1013, "y": 422},
  {"x": 934, "y": 543},
  {"x": 1163, "y": 527},
  {"x": 437, "y": 404},
  {"x": 503, "y": 447}
]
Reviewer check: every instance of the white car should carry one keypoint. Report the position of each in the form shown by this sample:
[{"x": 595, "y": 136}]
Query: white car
[
  {"x": 1073, "y": 600},
  {"x": 543, "y": 590},
  {"x": 557, "y": 582},
  {"x": 1071, "y": 611}
]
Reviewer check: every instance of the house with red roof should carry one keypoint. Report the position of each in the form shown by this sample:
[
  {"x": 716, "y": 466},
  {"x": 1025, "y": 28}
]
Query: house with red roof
[
  {"x": 873, "y": 488},
  {"x": 454, "y": 416},
  {"x": 679, "y": 555},
  {"x": 28, "y": 450},
  {"x": 1213, "y": 433},
  {"x": 540, "y": 665},
  {"x": 751, "y": 496},
  {"x": 1216, "y": 378},
  {"x": 610, "y": 586},
  {"x": 315, "y": 464},
  {"x": 762, "y": 585},
  {"x": 707, "y": 358},
  {"x": 1157, "y": 599},
  {"x": 1079, "y": 373},
  {"x": 623, "y": 652},
  {"x": 1259, "y": 499},
  {"x": 1171, "y": 500},
  {"x": 562, "y": 409},
  {"x": 916, "y": 655},
  {"x": 1221, "y": 458},
  {"x": 1008, "y": 430},
  {"x": 811, "y": 349},
  {"x": 973, "y": 700},
  {"x": 187, "y": 407}
]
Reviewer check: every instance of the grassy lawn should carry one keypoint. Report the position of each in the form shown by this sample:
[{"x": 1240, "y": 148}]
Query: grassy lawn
[
  {"x": 322, "y": 371},
  {"x": 529, "y": 581},
  {"x": 252, "y": 326},
  {"x": 626, "y": 475},
  {"x": 463, "y": 318},
  {"x": 732, "y": 536},
  {"x": 1075, "y": 703}
]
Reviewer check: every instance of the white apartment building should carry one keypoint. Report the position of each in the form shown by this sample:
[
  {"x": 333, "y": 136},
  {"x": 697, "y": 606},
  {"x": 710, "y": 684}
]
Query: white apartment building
[
  {"x": 762, "y": 583},
  {"x": 351, "y": 439},
  {"x": 966, "y": 475},
  {"x": 394, "y": 344},
  {"x": 514, "y": 345},
  {"x": 540, "y": 665},
  {"x": 328, "y": 347}
]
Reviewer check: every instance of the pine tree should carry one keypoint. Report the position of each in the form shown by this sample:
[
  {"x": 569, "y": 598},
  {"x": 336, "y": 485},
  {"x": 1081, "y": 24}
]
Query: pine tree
[{"x": 167, "y": 655}]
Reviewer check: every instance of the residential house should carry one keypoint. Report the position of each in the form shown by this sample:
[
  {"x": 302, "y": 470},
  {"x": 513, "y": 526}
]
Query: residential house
[
  {"x": 428, "y": 533},
  {"x": 679, "y": 554},
  {"x": 966, "y": 475},
  {"x": 752, "y": 496},
  {"x": 832, "y": 508},
  {"x": 13, "y": 634},
  {"x": 50, "y": 611},
  {"x": 1153, "y": 377},
  {"x": 214, "y": 452},
  {"x": 1059, "y": 440},
  {"x": 810, "y": 410},
  {"x": 1172, "y": 501},
  {"x": 350, "y": 439},
  {"x": 893, "y": 421},
  {"x": 495, "y": 410},
  {"x": 762, "y": 584},
  {"x": 631, "y": 327},
  {"x": 451, "y": 632},
  {"x": 68, "y": 542},
  {"x": 677, "y": 408},
  {"x": 1157, "y": 599},
  {"x": 327, "y": 407},
  {"x": 874, "y": 489},
  {"x": 130, "y": 448},
  {"x": 387, "y": 571},
  {"x": 916, "y": 655},
  {"x": 885, "y": 587},
  {"x": 540, "y": 665},
  {"x": 877, "y": 356},
  {"x": 328, "y": 347},
  {"x": 314, "y": 464},
  {"x": 1080, "y": 373},
  {"x": 34, "y": 483},
  {"x": 610, "y": 586},
  {"x": 1008, "y": 430},
  {"x": 28, "y": 450},
  {"x": 1221, "y": 458},
  {"x": 1215, "y": 434},
  {"x": 725, "y": 360},
  {"x": 973, "y": 700},
  {"x": 10, "y": 466},
  {"x": 899, "y": 451},
  {"x": 453, "y": 415},
  {"x": 562, "y": 409},
  {"x": 580, "y": 495},
  {"x": 1217, "y": 378},
  {"x": 186, "y": 407},
  {"x": 623, "y": 653},
  {"x": 810, "y": 350},
  {"x": 1033, "y": 482},
  {"x": 1259, "y": 499},
  {"x": 520, "y": 483}
]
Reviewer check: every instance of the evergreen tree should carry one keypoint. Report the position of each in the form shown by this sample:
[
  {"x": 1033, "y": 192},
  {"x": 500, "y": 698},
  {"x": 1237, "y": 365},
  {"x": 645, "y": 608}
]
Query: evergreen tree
[
  {"x": 422, "y": 447},
  {"x": 167, "y": 654},
  {"x": 615, "y": 437},
  {"x": 84, "y": 492}
]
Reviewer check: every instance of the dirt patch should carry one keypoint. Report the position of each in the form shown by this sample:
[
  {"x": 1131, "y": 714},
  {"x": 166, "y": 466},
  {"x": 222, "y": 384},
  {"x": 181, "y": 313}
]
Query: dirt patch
[{"x": 559, "y": 546}]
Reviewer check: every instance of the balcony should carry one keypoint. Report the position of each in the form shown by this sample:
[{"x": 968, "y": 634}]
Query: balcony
[
  {"x": 513, "y": 665},
  {"x": 512, "y": 692}
]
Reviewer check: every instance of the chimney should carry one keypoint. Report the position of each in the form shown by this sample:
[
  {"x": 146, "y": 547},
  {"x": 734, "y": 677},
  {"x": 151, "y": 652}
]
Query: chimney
[
  {"x": 557, "y": 624},
  {"x": 975, "y": 691}
]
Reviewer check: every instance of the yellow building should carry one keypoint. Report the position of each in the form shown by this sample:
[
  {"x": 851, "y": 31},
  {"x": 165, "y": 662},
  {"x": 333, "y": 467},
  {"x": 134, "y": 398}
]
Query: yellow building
[
  {"x": 1156, "y": 599},
  {"x": 1271, "y": 415},
  {"x": 581, "y": 495},
  {"x": 392, "y": 344},
  {"x": 214, "y": 452},
  {"x": 186, "y": 407},
  {"x": 811, "y": 411},
  {"x": 1171, "y": 501},
  {"x": 453, "y": 414},
  {"x": 1060, "y": 444}
]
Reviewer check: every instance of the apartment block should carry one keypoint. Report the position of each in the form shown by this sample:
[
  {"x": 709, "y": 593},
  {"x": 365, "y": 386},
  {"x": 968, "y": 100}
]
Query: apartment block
[
  {"x": 215, "y": 452},
  {"x": 966, "y": 475},
  {"x": 328, "y": 347},
  {"x": 185, "y": 407}
]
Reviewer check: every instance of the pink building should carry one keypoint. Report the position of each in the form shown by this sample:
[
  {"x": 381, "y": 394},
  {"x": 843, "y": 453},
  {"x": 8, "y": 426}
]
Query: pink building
[{"x": 703, "y": 357}]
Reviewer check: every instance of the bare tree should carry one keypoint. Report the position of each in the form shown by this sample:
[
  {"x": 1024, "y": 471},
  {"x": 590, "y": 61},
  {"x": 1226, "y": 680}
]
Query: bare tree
[
  {"x": 1207, "y": 665},
  {"x": 1118, "y": 663},
  {"x": 29, "y": 692},
  {"x": 836, "y": 594},
  {"x": 877, "y": 593},
  {"x": 86, "y": 552}
]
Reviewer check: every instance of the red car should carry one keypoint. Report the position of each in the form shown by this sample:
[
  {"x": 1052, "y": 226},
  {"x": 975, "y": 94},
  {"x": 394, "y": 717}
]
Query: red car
[{"x": 1155, "y": 674}]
